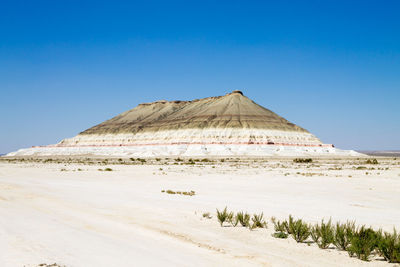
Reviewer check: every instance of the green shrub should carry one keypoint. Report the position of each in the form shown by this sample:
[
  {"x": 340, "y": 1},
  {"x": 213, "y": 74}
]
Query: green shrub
[
  {"x": 232, "y": 219},
  {"x": 289, "y": 225},
  {"x": 207, "y": 215},
  {"x": 363, "y": 243},
  {"x": 278, "y": 225},
  {"x": 258, "y": 221},
  {"x": 141, "y": 160},
  {"x": 222, "y": 216},
  {"x": 299, "y": 230},
  {"x": 389, "y": 246},
  {"x": 243, "y": 218},
  {"x": 323, "y": 234},
  {"x": 280, "y": 235},
  {"x": 343, "y": 234},
  {"x": 372, "y": 161},
  {"x": 108, "y": 169}
]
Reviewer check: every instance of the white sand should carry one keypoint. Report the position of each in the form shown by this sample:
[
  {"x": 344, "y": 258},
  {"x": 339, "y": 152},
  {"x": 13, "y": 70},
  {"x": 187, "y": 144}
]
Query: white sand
[{"x": 120, "y": 218}]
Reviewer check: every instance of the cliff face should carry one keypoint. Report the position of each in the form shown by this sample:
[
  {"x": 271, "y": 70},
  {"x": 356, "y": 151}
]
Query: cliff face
[{"x": 229, "y": 119}]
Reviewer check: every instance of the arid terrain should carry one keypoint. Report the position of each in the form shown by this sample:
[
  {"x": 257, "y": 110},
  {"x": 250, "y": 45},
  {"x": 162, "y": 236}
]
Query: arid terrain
[{"x": 119, "y": 212}]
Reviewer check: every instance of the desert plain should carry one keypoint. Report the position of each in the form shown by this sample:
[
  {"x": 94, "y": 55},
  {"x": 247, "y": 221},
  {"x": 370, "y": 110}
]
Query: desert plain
[{"x": 92, "y": 211}]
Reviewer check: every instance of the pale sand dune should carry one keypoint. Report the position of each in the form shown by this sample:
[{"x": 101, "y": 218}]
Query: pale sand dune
[{"x": 121, "y": 218}]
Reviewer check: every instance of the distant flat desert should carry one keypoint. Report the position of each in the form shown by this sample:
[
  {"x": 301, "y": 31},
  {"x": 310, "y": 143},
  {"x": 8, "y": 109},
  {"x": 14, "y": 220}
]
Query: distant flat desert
[{"x": 67, "y": 211}]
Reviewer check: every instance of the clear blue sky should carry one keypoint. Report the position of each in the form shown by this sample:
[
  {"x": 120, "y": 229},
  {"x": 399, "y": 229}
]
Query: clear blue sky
[{"x": 332, "y": 67}]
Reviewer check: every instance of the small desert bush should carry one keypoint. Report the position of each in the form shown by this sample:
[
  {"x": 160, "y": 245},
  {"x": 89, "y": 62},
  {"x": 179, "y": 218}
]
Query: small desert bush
[
  {"x": 171, "y": 192},
  {"x": 258, "y": 221},
  {"x": 189, "y": 193},
  {"x": 232, "y": 219},
  {"x": 222, "y": 215},
  {"x": 243, "y": 218},
  {"x": 389, "y": 246},
  {"x": 108, "y": 169},
  {"x": 300, "y": 160},
  {"x": 363, "y": 243},
  {"x": 288, "y": 224},
  {"x": 278, "y": 225},
  {"x": 207, "y": 215},
  {"x": 299, "y": 230},
  {"x": 372, "y": 161},
  {"x": 141, "y": 160},
  {"x": 323, "y": 234},
  {"x": 282, "y": 235},
  {"x": 343, "y": 234}
]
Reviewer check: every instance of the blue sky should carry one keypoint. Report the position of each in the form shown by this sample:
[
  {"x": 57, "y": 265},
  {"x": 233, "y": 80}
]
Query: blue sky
[{"x": 332, "y": 67}]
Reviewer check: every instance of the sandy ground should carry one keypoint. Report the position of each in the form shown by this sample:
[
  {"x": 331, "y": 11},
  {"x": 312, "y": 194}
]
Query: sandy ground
[{"x": 89, "y": 217}]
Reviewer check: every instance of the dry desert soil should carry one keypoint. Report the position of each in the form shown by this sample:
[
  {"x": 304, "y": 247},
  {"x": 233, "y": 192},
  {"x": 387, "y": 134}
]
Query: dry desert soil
[{"x": 76, "y": 212}]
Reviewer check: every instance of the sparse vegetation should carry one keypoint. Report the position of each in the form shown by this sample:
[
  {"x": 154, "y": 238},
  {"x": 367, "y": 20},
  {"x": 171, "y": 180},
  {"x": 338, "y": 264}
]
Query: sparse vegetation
[
  {"x": 282, "y": 235},
  {"x": 258, "y": 221},
  {"x": 299, "y": 230},
  {"x": 278, "y": 226},
  {"x": 301, "y": 160},
  {"x": 106, "y": 169},
  {"x": 186, "y": 193},
  {"x": 243, "y": 218},
  {"x": 343, "y": 235},
  {"x": 323, "y": 234},
  {"x": 363, "y": 243},
  {"x": 222, "y": 215},
  {"x": 389, "y": 246},
  {"x": 207, "y": 215},
  {"x": 372, "y": 161}
]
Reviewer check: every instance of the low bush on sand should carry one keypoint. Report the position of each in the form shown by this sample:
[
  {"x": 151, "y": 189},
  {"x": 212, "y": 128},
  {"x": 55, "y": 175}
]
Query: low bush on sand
[
  {"x": 186, "y": 193},
  {"x": 243, "y": 218},
  {"x": 372, "y": 161},
  {"x": 279, "y": 227},
  {"x": 207, "y": 215},
  {"x": 300, "y": 160},
  {"x": 323, "y": 234},
  {"x": 258, "y": 221},
  {"x": 222, "y": 215},
  {"x": 363, "y": 243},
  {"x": 389, "y": 246},
  {"x": 299, "y": 230},
  {"x": 343, "y": 234},
  {"x": 106, "y": 169}
]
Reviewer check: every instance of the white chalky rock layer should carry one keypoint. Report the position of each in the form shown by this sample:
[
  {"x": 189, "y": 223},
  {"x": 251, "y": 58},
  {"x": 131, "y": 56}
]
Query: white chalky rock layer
[{"x": 195, "y": 136}]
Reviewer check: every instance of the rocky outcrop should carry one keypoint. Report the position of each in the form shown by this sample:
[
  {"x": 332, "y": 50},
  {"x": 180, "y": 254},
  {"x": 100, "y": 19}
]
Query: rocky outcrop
[{"x": 226, "y": 125}]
